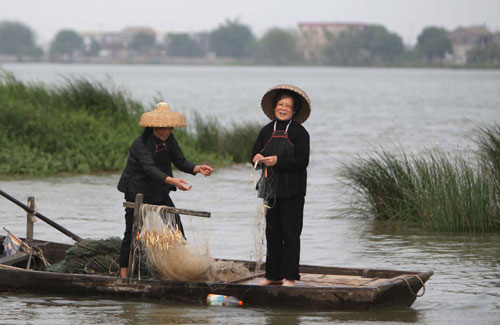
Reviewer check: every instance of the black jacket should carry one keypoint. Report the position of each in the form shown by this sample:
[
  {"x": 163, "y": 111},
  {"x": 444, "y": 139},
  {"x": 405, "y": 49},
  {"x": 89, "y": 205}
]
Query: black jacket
[
  {"x": 146, "y": 169},
  {"x": 294, "y": 166}
]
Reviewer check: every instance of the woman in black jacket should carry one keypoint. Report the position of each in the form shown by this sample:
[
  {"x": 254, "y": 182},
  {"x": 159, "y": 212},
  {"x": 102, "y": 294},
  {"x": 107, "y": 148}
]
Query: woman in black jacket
[
  {"x": 149, "y": 169},
  {"x": 282, "y": 150}
]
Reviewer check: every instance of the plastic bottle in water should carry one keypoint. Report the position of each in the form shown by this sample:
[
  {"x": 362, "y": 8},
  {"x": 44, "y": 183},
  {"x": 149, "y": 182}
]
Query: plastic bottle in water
[{"x": 221, "y": 300}]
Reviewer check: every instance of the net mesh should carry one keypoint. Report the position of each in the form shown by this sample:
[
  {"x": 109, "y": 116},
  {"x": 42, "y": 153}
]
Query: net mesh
[
  {"x": 264, "y": 187},
  {"x": 99, "y": 257},
  {"x": 162, "y": 253},
  {"x": 171, "y": 257}
]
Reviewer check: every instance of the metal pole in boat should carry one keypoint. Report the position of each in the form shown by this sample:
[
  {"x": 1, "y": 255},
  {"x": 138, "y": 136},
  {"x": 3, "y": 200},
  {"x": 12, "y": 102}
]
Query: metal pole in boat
[{"x": 41, "y": 216}]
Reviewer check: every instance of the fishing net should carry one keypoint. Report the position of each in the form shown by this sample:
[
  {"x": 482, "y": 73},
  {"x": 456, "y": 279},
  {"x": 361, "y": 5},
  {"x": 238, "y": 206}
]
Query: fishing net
[
  {"x": 98, "y": 257},
  {"x": 265, "y": 192},
  {"x": 259, "y": 231},
  {"x": 171, "y": 257},
  {"x": 91, "y": 257},
  {"x": 162, "y": 252}
]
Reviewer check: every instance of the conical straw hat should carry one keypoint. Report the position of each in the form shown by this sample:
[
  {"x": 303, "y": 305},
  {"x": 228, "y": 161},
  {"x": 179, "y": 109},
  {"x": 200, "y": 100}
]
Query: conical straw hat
[
  {"x": 162, "y": 117},
  {"x": 267, "y": 102}
]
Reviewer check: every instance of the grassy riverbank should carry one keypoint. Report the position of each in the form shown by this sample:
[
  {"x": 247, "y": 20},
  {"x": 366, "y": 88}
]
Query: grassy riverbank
[
  {"x": 83, "y": 127},
  {"x": 434, "y": 189}
]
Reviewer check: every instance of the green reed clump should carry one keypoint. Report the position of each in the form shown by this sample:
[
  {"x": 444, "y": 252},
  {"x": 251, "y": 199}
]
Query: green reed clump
[
  {"x": 96, "y": 99},
  {"x": 47, "y": 130},
  {"x": 239, "y": 139},
  {"x": 488, "y": 141},
  {"x": 235, "y": 142},
  {"x": 83, "y": 126},
  {"x": 435, "y": 190}
]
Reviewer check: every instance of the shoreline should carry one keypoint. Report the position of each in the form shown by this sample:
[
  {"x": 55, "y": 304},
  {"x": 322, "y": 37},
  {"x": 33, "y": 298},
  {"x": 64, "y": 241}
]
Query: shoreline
[{"x": 242, "y": 63}]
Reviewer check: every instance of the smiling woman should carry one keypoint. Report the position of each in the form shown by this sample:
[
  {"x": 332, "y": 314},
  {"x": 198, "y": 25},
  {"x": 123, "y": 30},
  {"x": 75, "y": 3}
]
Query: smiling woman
[
  {"x": 284, "y": 108},
  {"x": 162, "y": 133},
  {"x": 282, "y": 151}
]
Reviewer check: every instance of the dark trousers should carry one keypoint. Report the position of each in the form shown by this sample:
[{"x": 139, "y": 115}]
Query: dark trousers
[
  {"x": 129, "y": 219},
  {"x": 283, "y": 229}
]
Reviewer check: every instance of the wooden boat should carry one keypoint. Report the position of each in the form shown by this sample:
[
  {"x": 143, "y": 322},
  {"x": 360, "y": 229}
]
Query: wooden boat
[{"x": 320, "y": 288}]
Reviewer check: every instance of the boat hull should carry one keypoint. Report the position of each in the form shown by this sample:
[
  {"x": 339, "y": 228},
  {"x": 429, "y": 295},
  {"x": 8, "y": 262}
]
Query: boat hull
[{"x": 383, "y": 287}]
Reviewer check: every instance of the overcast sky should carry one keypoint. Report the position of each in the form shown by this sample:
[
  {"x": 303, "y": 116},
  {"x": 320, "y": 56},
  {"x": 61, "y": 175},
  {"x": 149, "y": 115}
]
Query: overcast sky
[{"x": 405, "y": 17}]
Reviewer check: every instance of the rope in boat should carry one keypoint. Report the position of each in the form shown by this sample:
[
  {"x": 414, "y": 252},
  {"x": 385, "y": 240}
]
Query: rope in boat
[
  {"x": 31, "y": 250},
  {"x": 411, "y": 290}
]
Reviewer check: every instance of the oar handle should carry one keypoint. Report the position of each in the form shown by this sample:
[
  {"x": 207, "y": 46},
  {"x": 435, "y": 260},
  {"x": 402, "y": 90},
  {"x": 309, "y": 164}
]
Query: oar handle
[
  {"x": 41, "y": 216},
  {"x": 175, "y": 210}
]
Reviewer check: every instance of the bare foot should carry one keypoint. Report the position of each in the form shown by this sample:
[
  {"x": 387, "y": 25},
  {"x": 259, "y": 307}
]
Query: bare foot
[
  {"x": 267, "y": 282},
  {"x": 289, "y": 283}
]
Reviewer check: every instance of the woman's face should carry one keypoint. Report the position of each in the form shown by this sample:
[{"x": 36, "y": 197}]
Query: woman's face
[
  {"x": 162, "y": 133},
  {"x": 284, "y": 109}
]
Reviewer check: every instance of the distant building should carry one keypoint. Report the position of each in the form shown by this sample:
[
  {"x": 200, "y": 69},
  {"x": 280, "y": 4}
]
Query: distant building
[
  {"x": 110, "y": 43},
  {"x": 496, "y": 38},
  {"x": 464, "y": 39},
  {"x": 128, "y": 33},
  {"x": 7, "y": 58},
  {"x": 313, "y": 37},
  {"x": 203, "y": 41},
  {"x": 115, "y": 44}
]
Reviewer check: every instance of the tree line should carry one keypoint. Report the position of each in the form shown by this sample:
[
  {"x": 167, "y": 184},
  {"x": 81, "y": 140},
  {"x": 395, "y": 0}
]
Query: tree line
[{"x": 372, "y": 45}]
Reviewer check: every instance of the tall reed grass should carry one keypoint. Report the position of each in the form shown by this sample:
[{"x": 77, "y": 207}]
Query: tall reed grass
[
  {"x": 235, "y": 142},
  {"x": 488, "y": 141},
  {"x": 46, "y": 130},
  {"x": 436, "y": 190},
  {"x": 84, "y": 126}
]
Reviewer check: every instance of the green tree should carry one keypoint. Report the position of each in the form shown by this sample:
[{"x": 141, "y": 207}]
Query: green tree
[
  {"x": 232, "y": 39},
  {"x": 433, "y": 43},
  {"x": 484, "y": 55},
  {"x": 143, "y": 42},
  {"x": 94, "y": 48},
  {"x": 371, "y": 45},
  {"x": 278, "y": 46},
  {"x": 182, "y": 45},
  {"x": 382, "y": 45},
  {"x": 17, "y": 39},
  {"x": 67, "y": 42},
  {"x": 346, "y": 50}
]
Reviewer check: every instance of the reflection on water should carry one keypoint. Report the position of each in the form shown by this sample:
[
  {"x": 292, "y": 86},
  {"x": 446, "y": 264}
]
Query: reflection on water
[
  {"x": 467, "y": 267},
  {"x": 31, "y": 309},
  {"x": 353, "y": 110}
]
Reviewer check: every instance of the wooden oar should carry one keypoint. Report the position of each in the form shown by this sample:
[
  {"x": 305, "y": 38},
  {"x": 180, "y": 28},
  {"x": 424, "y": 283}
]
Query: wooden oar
[
  {"x": 41, "y": 217},
  {"x": 12, "y": 267},
  {"x": 175, "y": 210}
]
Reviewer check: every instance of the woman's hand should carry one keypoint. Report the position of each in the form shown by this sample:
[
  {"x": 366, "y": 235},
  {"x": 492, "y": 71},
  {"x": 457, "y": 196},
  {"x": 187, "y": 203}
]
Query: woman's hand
[
  {"x": 205, "y": 170},
  {"x": 257, "y": 158},
  {"x": 269, "y": 161},
  {"x": 179, "y": 183}
]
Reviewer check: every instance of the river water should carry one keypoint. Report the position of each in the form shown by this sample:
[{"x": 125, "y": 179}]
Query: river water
[{"x": 353, "y": 111}]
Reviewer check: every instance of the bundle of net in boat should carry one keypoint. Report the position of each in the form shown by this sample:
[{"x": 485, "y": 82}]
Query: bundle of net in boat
[
  {"x": 92, "y": 257},
  {"x": 171, "y": 257}
]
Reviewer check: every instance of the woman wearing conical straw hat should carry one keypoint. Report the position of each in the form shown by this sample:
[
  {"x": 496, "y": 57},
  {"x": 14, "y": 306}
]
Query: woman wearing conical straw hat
[
  {"x": 282, "y": 150},
  {"x": 149, "y": 169}
]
